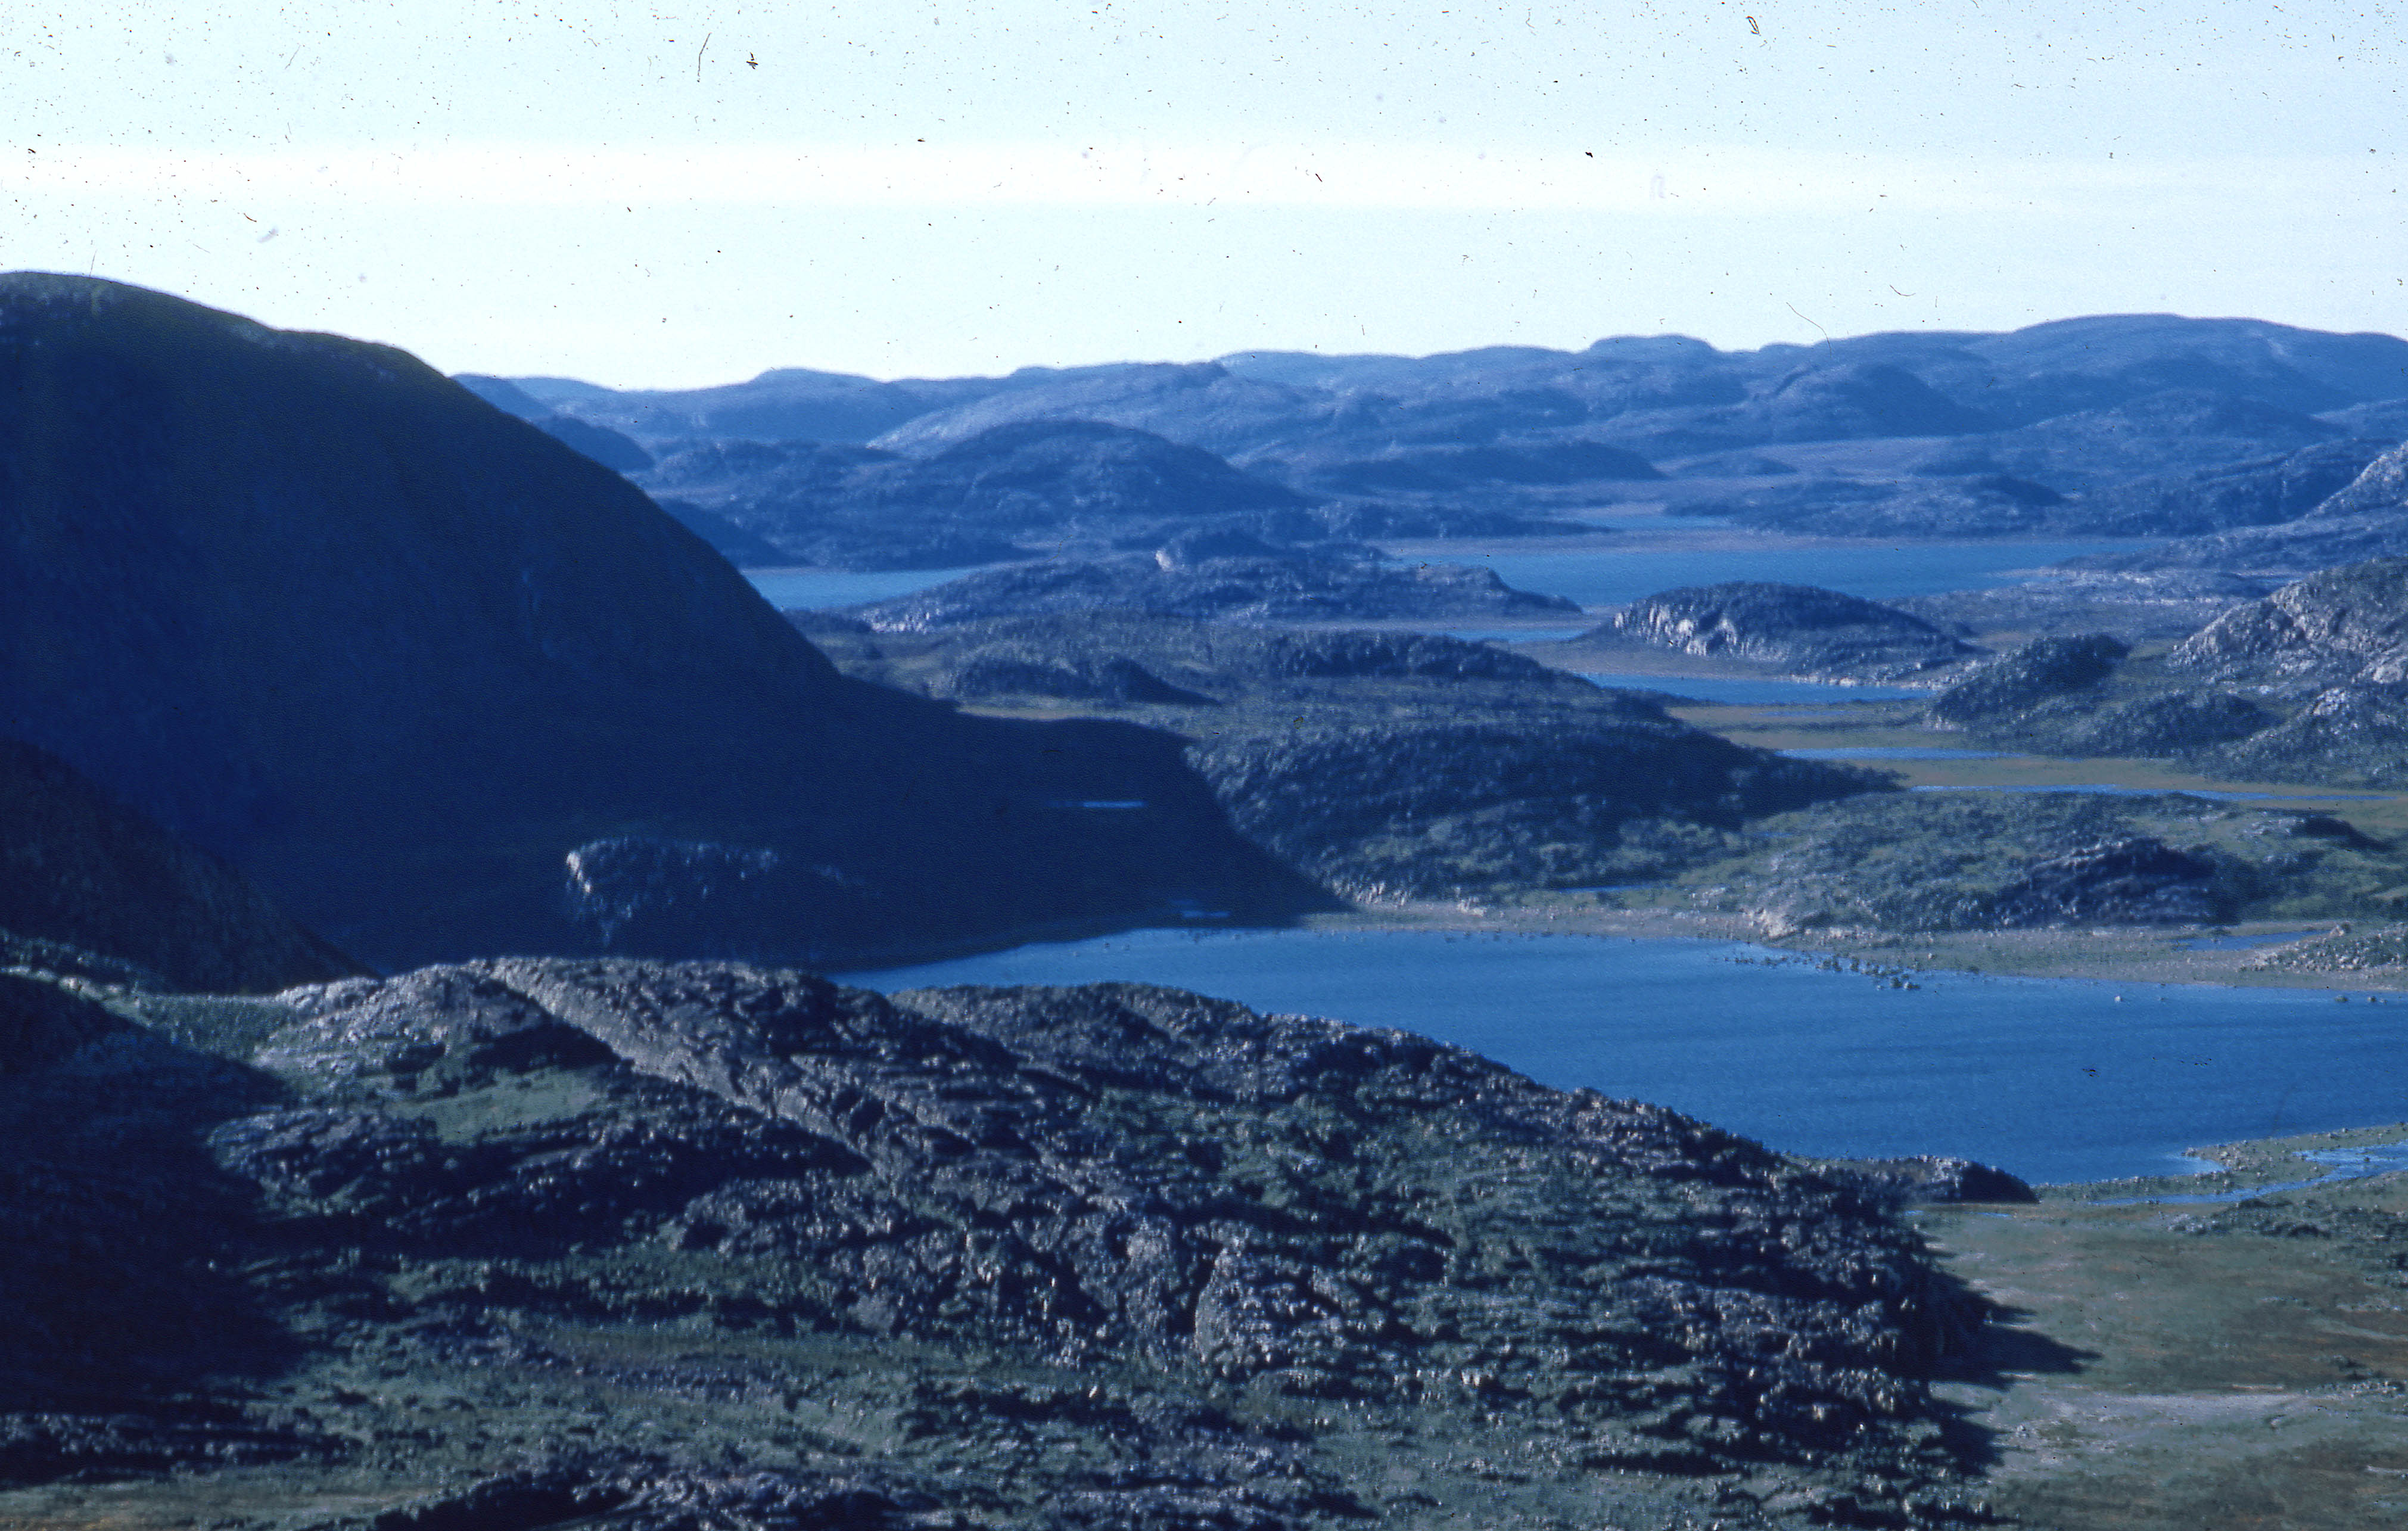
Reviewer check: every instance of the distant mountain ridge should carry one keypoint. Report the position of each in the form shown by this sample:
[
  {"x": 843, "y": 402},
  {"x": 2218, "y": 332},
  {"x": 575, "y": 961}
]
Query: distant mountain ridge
[
  {"x": 1242, "y": 402},
  {"x": 2113, "y": 424}
]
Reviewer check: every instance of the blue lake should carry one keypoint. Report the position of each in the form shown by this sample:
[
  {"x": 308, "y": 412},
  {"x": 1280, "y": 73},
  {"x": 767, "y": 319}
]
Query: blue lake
[
  {"x": 810, "y": 590},
  {"x": 1751, "y": 692},
  {"x": 1893, "y": 751},
  {"x": 2054, "y": 1079},
  {"x": 2109, "y": 789},
  {"x": 1511, "y": 635},
  {"x": 1874, "y": 570}
]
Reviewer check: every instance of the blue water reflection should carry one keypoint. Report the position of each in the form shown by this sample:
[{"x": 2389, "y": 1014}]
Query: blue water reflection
[{"x": 2054, "y": 1079}]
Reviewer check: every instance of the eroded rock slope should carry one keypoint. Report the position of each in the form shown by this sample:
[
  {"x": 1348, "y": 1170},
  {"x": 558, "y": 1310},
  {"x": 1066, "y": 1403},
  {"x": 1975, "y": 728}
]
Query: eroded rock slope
[{"x": 1109, "y": 1256}]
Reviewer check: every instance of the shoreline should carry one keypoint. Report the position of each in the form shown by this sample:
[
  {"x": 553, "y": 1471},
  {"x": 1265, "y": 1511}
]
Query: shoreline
[{"x": 2123, "y": 955}]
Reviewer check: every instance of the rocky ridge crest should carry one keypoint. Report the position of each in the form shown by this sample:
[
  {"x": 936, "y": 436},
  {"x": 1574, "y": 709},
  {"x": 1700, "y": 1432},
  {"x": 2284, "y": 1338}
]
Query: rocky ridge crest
[{"x": 1229, "y": 1254}]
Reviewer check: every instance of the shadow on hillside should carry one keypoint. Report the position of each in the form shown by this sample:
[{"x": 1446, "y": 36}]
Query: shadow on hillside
[
  {"x": 120, "y": 1263},
  {"x": 2002, "y": 1352}
]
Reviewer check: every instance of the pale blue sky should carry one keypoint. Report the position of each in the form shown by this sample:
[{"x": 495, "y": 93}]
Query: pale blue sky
[{"x": 933, "y": 189}]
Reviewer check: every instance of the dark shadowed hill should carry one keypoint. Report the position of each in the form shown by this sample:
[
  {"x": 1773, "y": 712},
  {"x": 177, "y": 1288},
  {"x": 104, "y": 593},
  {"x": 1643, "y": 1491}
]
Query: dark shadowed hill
[
  {"x": 85, "y": 872},
  {"x": 397, "y": 654}
]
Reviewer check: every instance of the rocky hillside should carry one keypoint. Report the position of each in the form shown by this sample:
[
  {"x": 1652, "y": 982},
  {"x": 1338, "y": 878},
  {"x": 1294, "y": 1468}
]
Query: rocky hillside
[
  {"x": 1122, "y": 656},
  {"x": 2155, "y": 607},
  {"x": 2336, "y": 645},
  {"x": 2261, "y": 491},
  {"x": 1794, "y": 629},
  {"x": 2347, "y": 624},
  {"x": 1450, "y": 805},
  {"x": 2016, "y": 682},
  {"x": 683, "y": 1246},
  {"x": 397, "y": 655},
  {"x": 2365, "y": 519}
]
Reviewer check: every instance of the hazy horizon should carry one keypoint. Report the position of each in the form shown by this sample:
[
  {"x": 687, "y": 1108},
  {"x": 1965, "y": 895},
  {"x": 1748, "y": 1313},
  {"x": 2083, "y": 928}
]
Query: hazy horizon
[
  {"x": 688, "y": 195},
  {"x": 1341, "y": 354}
]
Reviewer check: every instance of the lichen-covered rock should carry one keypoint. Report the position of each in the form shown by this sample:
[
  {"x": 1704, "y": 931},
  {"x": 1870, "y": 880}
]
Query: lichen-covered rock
[
  {"x": 1102, "y": 1256},
  {"x": 1799, "y": 629},
  {"x": 2342, "y": 624}
]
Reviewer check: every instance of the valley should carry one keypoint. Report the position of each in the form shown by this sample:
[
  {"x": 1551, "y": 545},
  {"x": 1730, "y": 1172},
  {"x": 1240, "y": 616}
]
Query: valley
[{"x": 1419, "y": 940}]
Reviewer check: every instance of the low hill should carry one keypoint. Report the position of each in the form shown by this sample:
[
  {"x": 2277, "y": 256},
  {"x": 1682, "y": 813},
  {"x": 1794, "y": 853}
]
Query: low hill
[
  {"x": 1237, "y": 589},
  {"x": 2345, "y": 624},
  {"x": 1041, "y": 483},
  {"x": 2174, "y": 431},
  {"x": 1851, "y": 401},
  {"x": 1794, "y": 629},
  {"x": 1387, "y": 765},
  {"x": 1018, "y": 491}
]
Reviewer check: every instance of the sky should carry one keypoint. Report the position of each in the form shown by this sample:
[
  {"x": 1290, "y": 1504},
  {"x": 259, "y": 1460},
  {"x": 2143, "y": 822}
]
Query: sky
[{"x": 685, "y": 194}]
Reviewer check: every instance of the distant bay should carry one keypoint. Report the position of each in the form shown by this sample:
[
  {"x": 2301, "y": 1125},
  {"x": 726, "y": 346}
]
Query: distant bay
[
  {"x": 1751, "y": 690},
  {"x": 816, "y": 590},
  {"x": 1874, "y": 570},
  {"x": 1604, "y": 576},
  {"x": 2055, "y": 1079}
]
